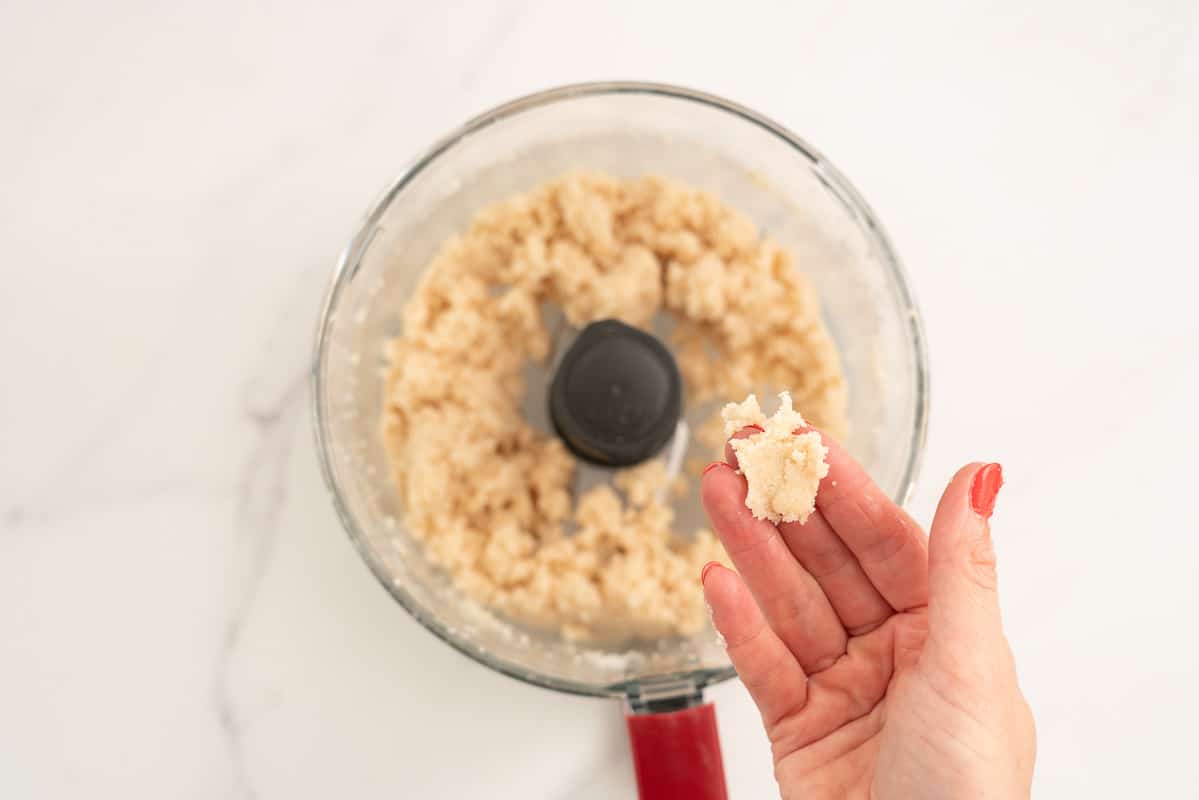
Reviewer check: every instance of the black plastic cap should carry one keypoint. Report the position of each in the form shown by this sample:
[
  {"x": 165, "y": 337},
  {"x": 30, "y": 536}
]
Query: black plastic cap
[{"x": 617, "y": 395}]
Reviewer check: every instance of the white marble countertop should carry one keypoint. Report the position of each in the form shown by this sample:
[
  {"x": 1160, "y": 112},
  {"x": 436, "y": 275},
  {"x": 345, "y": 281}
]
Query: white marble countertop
[{"x": 180, "y": 613}]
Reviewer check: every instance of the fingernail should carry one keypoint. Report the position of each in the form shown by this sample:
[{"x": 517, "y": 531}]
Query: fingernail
[
  {"x": 984, "y": 488},
  {"x": 703, "y": 573},
  {"x": 713, "y": 466},
  {"x": 745, "y": 432}
]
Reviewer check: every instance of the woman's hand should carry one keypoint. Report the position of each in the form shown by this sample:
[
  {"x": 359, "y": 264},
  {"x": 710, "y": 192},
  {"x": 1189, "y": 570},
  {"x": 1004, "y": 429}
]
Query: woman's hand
[{"x": 874, "y": 653}]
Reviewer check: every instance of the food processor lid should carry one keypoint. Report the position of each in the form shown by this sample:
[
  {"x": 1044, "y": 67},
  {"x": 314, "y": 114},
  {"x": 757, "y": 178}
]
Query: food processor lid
[{"x": 616, "y": 396}]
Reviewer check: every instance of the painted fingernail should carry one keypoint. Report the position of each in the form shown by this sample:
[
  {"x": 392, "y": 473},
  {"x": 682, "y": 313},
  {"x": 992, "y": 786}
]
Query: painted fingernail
[
  {"x": 713, "y": 466},
  {"x": 745, "y": 432},
  {"x": 703, "y": 573},
  {"x": 984, "y": 488}
]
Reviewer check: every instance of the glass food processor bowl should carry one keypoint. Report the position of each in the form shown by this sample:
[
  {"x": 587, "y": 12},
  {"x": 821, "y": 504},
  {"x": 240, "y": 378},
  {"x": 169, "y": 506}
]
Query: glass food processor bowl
[{"x": 624, "y": 129}]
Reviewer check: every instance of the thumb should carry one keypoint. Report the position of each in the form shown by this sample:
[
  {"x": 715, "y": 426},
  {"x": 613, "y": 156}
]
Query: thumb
[{"x": 963, "y": 606}]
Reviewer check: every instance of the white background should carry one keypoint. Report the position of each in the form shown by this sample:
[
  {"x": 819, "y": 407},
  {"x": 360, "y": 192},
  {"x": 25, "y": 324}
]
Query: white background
[{"x": 180, "y": 614}]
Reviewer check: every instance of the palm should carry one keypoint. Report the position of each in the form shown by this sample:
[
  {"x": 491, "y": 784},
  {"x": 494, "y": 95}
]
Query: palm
[{"x": 831, "y": 746}]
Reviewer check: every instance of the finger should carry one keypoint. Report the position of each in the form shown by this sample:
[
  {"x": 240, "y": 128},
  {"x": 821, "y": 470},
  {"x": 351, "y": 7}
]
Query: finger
[
  {"x": 768, "y": 669},
  {"x": 730, "y": 455},
  {"x": 963, "y": 601},
  {"x": 888, "y": 543},
  {"x": 859, "y": 605},
  {"x": 790, "y": 599},
  {"x": 828, "y": 559}
]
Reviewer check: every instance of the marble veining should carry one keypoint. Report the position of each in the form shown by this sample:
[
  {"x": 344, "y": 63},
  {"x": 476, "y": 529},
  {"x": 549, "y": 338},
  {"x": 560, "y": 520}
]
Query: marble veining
[{"x": 261, "y": 493}]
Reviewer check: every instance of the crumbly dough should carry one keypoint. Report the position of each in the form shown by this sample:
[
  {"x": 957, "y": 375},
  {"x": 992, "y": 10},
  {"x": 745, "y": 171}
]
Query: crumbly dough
[
  {"x": 489, "y": 496},
  {"x": 782, "y": 470}
]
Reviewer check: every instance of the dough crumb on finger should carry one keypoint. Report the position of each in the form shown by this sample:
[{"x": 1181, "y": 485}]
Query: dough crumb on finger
[{"x": 783, "y": 470}]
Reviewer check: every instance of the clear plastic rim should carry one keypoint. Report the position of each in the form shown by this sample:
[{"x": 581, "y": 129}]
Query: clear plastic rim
[{"x": 347, "y": 265}]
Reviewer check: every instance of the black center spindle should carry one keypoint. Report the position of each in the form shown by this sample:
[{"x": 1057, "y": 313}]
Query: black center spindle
[{"x": 616, "y": 396}]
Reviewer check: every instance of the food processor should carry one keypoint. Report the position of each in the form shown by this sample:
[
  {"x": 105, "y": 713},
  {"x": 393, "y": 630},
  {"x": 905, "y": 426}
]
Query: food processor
[{"x": 623, "y": 129}]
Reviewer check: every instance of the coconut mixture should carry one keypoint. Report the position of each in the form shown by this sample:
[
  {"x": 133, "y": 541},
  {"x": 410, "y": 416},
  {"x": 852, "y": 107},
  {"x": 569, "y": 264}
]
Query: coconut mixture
[
  {"x": 782, "y": 470},
  {"x": 489, "y": 496}
]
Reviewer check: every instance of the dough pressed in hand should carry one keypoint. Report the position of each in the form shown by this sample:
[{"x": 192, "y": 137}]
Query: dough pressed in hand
[{"x": 783, "y": 470}]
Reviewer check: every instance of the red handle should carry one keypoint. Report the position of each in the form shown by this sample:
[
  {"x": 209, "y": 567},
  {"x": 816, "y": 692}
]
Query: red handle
[{"x": 677, "y": 754}]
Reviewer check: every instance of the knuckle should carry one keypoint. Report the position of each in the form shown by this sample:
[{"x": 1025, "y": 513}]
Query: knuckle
[
  {"x": 981, "y": 565},
  {"x": 891, "y": 542},
  {"x": 824, "y": 560},
  {"x": 781, "y": 607}
]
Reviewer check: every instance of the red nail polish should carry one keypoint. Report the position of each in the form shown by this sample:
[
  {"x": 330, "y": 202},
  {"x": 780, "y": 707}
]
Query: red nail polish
[
  {"x": 703, "y": 573},
  {"x": 984, "y": 488},
  {"x": 713, "y": 466},
  {"x": 757, "y": 428}
]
